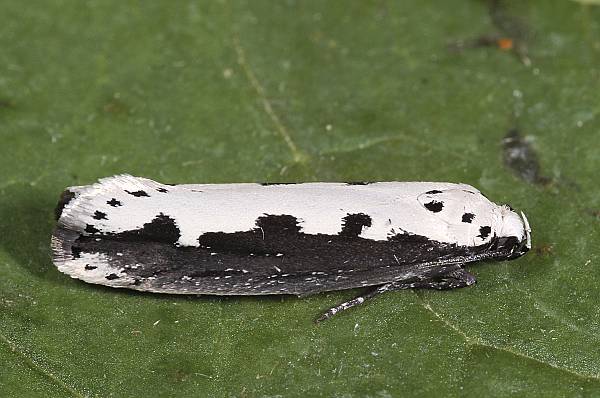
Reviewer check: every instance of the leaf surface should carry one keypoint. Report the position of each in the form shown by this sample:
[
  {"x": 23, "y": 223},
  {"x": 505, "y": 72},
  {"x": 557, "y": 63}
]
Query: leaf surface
[{"x": 241, "y": 91}]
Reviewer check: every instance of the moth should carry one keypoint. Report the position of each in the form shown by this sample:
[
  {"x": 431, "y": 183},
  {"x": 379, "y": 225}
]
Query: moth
[{"x": 296, "y": 239}]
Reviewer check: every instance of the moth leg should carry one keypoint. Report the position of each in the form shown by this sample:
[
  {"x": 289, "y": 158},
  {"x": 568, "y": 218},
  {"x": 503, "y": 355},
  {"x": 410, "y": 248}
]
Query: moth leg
[
  {"x": 355, "y": 301},
  {"x": 453, "y": 278},
  {"x": 441, "y": 278}
]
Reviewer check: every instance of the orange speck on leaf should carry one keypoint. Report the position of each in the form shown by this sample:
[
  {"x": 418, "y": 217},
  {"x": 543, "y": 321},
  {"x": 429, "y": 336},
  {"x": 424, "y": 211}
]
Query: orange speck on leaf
[{"x": 505, "y": 44}]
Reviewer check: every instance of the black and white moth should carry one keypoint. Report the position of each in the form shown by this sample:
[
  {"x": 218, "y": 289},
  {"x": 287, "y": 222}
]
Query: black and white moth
[{"x": 299, "y": 239}]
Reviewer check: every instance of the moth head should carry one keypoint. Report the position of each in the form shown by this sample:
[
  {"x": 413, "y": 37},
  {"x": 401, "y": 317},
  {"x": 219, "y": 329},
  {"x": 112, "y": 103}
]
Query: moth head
[{"x": 514, "y": 232}]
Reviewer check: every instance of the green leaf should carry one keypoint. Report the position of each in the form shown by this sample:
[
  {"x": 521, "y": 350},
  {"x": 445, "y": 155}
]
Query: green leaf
[
  {"x": 592, "y": 2},
  {"x": 302, "y": 91}
]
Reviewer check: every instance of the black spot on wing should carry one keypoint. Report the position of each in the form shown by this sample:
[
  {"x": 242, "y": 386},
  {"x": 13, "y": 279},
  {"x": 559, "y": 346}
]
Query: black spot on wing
[
  {"x": 111, "y": 277},
  {"x": 266, "y": 184},
  {"x": 90, "y": 267},
  {"x": 468, "y": 217},
  {"x": 353, "y": 224},
  {"x": 99, "y": 215},
  {"x": 435, "y": 191},
  {"x": 162, "y": 190},
  {"x": 484, "y": 231},
  {"x": 114, "y": 202},
  {"x": 359, "y": 183},
  {"x": 410, "y": 239},
  {"x": 76, "y": 252},
  {"x": 90, "y": 229},
  {"x": 64, "y": 200},
  {"x": 434, "y": 206},
  {"x": 283, "y": 223},
  {"x": 138, "y": 194},
  {"x": 220, "y": 242},
  {"x": 161, "y": 229},
  {"x": 258, "y": 241}
]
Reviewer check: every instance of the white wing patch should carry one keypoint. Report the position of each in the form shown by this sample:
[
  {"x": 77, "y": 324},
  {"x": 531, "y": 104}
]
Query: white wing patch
[{"x": 124, "y": 203}]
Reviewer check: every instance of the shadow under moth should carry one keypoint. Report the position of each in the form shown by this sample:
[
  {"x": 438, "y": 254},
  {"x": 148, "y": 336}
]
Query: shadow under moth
[{"x": 297, "y": 239}]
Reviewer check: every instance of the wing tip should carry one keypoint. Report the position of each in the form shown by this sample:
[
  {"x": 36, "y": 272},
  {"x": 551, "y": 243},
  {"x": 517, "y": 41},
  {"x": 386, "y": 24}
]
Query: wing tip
[{"x": 89, "y": 267}]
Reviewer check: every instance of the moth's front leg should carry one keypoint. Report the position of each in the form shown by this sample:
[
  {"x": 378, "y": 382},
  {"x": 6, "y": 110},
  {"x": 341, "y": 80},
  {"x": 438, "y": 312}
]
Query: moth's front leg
[
  {"x": 452, "y": 279},
  {"x": 441, "y": 278}
]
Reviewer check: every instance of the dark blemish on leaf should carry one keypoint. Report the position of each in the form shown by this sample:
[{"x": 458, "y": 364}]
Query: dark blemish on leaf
[
  {"x": 138, "y": 194},
  {"x": 484, "y": 231},
  {"x": 544, "y": 250},
  {"x": 6, "y": 104},
  {"x": 112, "y": 277},
  {"x": 434, "y": 206},
  {"x": 520, "y": 157},
  {"x": 114, "y": 203},
  {"x": 181, "y": 375},
  {"x": 115, "y": 106},
  {"x": 90, "y": 229},
  {"x": 435, "y": 191},
  {"x": 162, "y": 190},
  {"x": 594, "y": 213},
  {"x": 512, "y": 33},
  {"x": 90, "y": 267},
  {"x": 161, "y": 229},
  {"x": 353, "y": 224},
  {"x": 64, "y": 200},
  {"x": 359, "y": 183},
  {"x": 513, "y": 29},
  {"x": 468, "y": 217},
  {"x": 98, "y": 215}
]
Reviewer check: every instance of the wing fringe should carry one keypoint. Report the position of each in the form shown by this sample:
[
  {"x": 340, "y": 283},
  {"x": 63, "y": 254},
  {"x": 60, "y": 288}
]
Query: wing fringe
[{"x": 84, "y": 204}]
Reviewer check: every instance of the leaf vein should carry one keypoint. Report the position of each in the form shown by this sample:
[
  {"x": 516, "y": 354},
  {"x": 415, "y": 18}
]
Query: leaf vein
[
  {"x": 33, "y": 365},
  {"x": 475, "y": 341},
  {"x": 375, "y": 141},
  {"x": 297, "y": 154}
]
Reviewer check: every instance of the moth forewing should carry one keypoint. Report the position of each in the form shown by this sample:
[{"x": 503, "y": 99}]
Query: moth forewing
[{"x": 256, "y": 239}]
